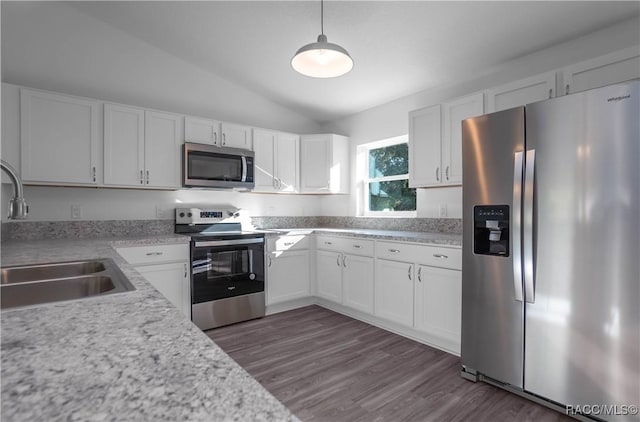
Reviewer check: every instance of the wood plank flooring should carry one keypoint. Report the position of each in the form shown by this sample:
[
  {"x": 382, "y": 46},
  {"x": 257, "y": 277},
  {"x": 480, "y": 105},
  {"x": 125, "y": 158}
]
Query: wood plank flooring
[{"x": 325, "y": 366}]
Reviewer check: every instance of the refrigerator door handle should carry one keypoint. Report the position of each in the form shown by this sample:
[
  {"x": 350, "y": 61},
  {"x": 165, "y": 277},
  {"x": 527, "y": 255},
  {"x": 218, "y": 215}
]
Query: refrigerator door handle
[
  {"x": 529, "y": 282},
  {"x": 517, "y": 227}
]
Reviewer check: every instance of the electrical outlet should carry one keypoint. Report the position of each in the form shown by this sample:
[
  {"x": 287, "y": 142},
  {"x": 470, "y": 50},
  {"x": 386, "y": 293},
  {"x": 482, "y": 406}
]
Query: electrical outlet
[
  {"x": 443, "y": 210},
  {"x": 76, "y": 211},
  {"x": 159, "y": 212}
]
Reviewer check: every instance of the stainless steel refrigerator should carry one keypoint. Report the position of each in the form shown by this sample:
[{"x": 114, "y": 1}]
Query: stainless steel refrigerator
[{"x": 551, "y": 249}]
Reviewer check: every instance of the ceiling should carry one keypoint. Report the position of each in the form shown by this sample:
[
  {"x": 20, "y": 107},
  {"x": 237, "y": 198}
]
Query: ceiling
[{"x": 399, "y": 48}]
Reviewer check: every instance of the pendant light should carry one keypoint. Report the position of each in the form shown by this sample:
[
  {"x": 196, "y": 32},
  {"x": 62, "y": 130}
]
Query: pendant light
[{"x": 322, "y": 59}]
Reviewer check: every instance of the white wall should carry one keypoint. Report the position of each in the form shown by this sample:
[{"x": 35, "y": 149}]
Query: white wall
[
  {"x": 391, "y": 119},
  {"x": 55, "y": 47}
]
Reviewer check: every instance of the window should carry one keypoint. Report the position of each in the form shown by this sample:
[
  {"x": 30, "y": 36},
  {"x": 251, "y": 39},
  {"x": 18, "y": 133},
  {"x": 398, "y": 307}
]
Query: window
[{"x": 386, "y": 182}]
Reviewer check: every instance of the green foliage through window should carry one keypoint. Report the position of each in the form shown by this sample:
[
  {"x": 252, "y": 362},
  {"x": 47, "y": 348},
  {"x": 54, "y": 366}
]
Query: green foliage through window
[
  {"x": 393, "y": 195},
  {"x": 389, "y": 161},
  {"x": 388, "y": 179}
]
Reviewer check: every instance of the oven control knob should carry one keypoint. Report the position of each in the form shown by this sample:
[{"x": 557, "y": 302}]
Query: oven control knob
[
  {"x": 189, "y": 215},
  {"x": 252, "y": 276},
  {"x": 181, "y": 214}
]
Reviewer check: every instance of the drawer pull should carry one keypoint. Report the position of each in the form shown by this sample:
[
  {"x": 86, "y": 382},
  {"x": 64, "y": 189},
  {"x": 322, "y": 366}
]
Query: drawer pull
[
  {"x": 288, "y": 243},
  {"x": 394, "y": 250},
  {"x": 154, "y": 253},
  {"x": 437, "y": 255},
  {"x": 357, "y": 246},
  {"x": 328, "y": 243}
]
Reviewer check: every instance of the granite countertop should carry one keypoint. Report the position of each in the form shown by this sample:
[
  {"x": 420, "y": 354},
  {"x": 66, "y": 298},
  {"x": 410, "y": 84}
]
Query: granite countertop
[
  {"x": 436, "y": 239},
  {"x": 128, "y": 356}
]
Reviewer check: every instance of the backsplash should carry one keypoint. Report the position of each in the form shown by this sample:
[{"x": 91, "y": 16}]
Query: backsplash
[{"x": 35, "y": 230}]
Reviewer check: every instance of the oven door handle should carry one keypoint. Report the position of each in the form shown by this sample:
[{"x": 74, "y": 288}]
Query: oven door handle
[{"x": 229, "y": 242}]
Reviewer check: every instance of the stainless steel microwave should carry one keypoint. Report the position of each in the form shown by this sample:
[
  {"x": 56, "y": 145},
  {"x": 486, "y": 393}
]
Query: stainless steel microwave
[{"x": 209, "y": 166}]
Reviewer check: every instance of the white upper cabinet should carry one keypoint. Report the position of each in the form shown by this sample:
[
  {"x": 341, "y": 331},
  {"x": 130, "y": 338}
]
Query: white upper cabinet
[
  {"x": 454, "y": 112},
  {"x": 123, "y": 145},
  {"x": 519, "y": 93},
  {"x": 612, "y": 68},
  {"x": 235, "y": 136},
  {"x": 162, "y": 149},
  {"x": 201, "y": 131},
  {"x": 277, "y": 161},
  {"x": 141, "y": 147},
  {"x": 58, "y": 138},
  {"x": 324, "y": 164},
  {"x": 424, "y": 146}
]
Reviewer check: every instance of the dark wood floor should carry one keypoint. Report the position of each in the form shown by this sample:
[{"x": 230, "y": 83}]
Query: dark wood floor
[{"x": 325, "y": 366}]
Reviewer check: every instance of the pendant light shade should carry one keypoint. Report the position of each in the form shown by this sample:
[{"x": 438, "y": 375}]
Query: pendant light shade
[{"x": 322, "y": 59}]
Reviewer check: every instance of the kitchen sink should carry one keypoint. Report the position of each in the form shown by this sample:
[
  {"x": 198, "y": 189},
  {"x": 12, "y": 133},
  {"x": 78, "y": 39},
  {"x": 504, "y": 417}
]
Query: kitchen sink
[{"x": 27, "y": 285}]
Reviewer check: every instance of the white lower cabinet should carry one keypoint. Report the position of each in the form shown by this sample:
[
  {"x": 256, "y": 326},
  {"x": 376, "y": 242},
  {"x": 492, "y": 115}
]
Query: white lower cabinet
[
  {"x": 166, "y": 267},
  {"x": 172, "y": 280},
  {"x": 287, "y": 276},
  {"x": 394, "y": 291},
  {"x": 329, "y": 275},
  {"x": 357, "y": 282},
  {"x": 438, "y": 304}
]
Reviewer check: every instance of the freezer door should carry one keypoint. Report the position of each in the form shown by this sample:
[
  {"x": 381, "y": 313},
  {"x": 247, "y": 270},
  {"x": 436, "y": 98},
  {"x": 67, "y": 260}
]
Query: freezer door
[
  {"x": 492, "y": 307},
  {"x": 582, "y": 343}
]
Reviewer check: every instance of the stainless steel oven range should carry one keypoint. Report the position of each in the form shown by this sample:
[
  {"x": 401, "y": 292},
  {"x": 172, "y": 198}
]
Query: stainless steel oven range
[{"x": 227, "y": 268}]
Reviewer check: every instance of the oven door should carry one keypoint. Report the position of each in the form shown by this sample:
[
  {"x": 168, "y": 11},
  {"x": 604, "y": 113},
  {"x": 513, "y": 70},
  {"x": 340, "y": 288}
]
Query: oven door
[
  {"x": 227, "y": 268},
  {"x": 211, "y": 166}
]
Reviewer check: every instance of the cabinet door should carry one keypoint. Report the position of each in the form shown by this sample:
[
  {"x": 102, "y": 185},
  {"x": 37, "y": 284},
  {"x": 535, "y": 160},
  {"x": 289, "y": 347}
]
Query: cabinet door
[
  {"x": 454, "y": 113},
  {"x": 394, "y": 291},
  {"x": 59, "y": 138},
  {"x": 357, "y": 282},
  {"x": 202, "y": 131},
  {"x": 315, "y": 159},
  {"x": 162, "y": 149},
  {"x": 264, "y": 168},
  {"x": 438, "y": 304},
  {"x": 123, "y": 145},
  {"x": 605, "y": 70},
  {"x": 287, "y": 276},
  {"x": 329, "y": 275},
  {"x": 424, "y": 147},
  {"x": 287, "y": 159},
  {"x": 235, "y": 136},
  {"x": 172, "y": 280},
  {"x": 519, "y": 93}
]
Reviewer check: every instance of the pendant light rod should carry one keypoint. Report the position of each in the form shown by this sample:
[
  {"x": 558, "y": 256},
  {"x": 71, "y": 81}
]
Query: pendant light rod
[{"x": 322, "y": 17}]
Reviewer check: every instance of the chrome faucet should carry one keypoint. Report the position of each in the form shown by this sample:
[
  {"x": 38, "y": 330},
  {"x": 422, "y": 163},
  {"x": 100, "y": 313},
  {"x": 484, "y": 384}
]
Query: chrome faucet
[{"x": 18, "y": 208}]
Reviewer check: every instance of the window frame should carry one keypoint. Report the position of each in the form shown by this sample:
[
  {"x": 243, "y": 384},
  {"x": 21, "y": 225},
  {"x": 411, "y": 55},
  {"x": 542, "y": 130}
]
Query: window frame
[{"x": 365, "y": 179}]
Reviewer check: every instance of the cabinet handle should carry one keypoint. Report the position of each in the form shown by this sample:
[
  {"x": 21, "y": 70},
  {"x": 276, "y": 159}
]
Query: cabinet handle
[
  {"x": 288, "y": 243},
  {"x": 185, "y": 270},
  {"x": 440, "y": 256},
  {"x": 338, "y": 260},
  {"x": 394, "y": 250},
  {"x": 437, "y": 174},
  {"x": 446, "y": 172},
  {"x": 409, "y": 273},
  {"x": 147, "y": 177},
  {"x": 550, "y": 92},
  {"x": 420, "y": 274},
  {"x": 328, "y": 243},
  {"x": 275, "y": 183},
  {"x": 269, "y": 259},
  {"x": 154, "y": 253},
  {"x": 94, "y": 173},
  {"x": 141, "y": 177},
  {"x": 224, "y": 139},
  {"x": 344, "y": 261},
  {"x": 357, "y": 246},
  {"x": 215, "y": 137},
  {"x": 566, "y": 90}
]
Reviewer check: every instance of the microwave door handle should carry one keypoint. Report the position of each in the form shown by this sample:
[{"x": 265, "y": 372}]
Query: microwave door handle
[{"x": 244, "y": 168}]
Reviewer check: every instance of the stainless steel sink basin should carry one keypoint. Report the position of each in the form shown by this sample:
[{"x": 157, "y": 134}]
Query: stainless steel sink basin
[
  {"x": 27, "y": 285},
  {"x": 49, "y": 271}
]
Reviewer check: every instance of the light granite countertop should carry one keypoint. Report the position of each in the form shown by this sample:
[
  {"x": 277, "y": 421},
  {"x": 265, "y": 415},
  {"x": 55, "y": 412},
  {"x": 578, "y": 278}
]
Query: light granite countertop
[
  {"x": 436, "y": 239},
  {"x": 127, "y": 356}
]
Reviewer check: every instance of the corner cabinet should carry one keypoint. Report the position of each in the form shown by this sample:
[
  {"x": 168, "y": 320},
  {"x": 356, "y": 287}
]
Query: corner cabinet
[
  {"x": 141, "y": 147},
  {"x": 277, "y": 161},
  {"x": 288, "y": 275},
  {"x": 58, "y": 138},
  {"x": 435, "y": 141},
  {"x": 324, "y": 164}
]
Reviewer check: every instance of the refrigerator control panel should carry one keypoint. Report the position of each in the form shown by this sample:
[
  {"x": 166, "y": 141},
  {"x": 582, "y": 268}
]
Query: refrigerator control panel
[{"x": 491, "y": 230}]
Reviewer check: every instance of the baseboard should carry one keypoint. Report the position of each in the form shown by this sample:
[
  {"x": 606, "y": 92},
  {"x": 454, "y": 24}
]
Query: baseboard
[{"x": 289, "y": 305}]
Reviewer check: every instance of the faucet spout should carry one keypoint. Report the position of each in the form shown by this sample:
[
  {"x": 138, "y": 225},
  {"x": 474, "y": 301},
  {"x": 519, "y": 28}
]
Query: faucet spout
[{"x": 18, "y": 208}]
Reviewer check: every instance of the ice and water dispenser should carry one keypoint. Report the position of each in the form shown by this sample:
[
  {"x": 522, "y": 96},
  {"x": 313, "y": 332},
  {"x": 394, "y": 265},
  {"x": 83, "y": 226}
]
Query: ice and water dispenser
[{"x": 491, "y": 230}]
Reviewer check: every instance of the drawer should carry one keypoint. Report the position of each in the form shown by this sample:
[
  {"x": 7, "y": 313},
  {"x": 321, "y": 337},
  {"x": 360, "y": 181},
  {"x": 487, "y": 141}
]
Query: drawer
[
  {"x": 329, "y": 243},
  {"x": 288, "y": 243},
  {"x": 434, "y": 256},
  {"x": 141, "y": 255},
  {"x": 350, "y": 245}
]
